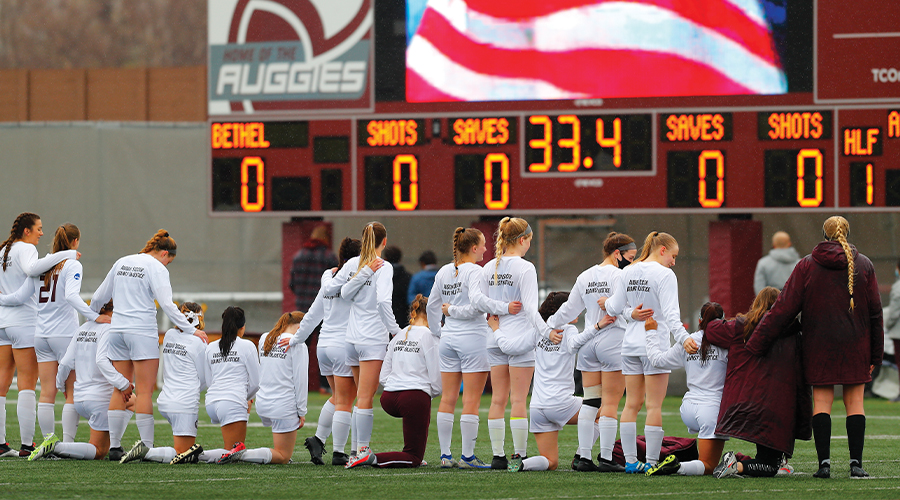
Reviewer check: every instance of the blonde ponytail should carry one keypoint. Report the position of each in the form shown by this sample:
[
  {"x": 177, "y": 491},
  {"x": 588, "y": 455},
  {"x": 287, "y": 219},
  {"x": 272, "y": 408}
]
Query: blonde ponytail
[
  {"x": 653, "y": 241},
  {"x": 836, "y": 229},
  {"x": 509, "y": 231},
  {"x": 372, "y": 236}
]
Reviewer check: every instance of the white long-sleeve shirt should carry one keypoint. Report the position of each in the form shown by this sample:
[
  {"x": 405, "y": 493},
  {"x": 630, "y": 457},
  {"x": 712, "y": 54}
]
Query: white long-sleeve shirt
[
  {"x": 412, "y": 362},
  {"x": 184, "y": 372},
  {"x": 57, "y": 304},
  {"x": 21, "y": 263},
  {"x": 592, "y": 284},
  {"x": 516, "y": 281},
  {"x": 133, "y": 283},
  {"x": 371, "y": 315},
  {"x": 656, "y": 287},
  {"x": 88, "y": 355},
  {"x": 283, "y": 381},
  {"x": 329, "y": 309},
  {"x": 465, "y": 289},
  {"x": 705, "y": 381},
  {"x": 235, "y": 377},
  {"x": 554, "y": 367}
]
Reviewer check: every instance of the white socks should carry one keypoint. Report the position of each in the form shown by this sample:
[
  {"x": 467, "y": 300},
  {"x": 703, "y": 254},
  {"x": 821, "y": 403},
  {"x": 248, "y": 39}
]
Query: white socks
[
  {"x": 211, "y": 456},
  {"x": 258, "y": 456},
  {"x": 518, "y": 426},
  {"x": 354, "y": 431},
  {"x": 340, "y": 430},
  {"x": 607, "y": 427},
  {"x": 46, "y": 418},
  {"x": 3, "y": 420},
  {"x": 468, "y": 427},
  {"x": 445, "y": 431},
  {"x": 26, "y": 411},
  {"x": 163, "y": 454},
  {"x": 365, "y": 419},
  {"x": 692, "y": 468},
  {"x": 70, "y": 419},
  {"x": 654, "y": 436},
  {"x": 586, "y": 416},
  {"x": 326, "y": 417},
  {"x": 78, "y": 451},
  {"x": 628, "y": 430},
  {"x": 118, "y": 422},
  {"x": 145, "y": 428},
  {"x": 539, "y": 462},
  {"x": 497, "y": 432}
]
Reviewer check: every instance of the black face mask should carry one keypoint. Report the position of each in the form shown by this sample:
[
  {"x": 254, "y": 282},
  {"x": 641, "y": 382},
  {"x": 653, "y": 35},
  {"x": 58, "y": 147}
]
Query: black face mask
[{"x": 622, "y": 262}]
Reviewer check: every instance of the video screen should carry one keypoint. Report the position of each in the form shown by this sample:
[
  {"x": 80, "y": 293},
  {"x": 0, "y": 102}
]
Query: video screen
[{"x": 489, "y": 50}]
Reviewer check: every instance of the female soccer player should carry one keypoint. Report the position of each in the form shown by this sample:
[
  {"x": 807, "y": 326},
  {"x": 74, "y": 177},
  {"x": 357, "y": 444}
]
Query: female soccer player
[
  {"x": 58, "y": 293},
  {"x": 137, "y": 283},
  {"x": 843, "y": 334},
  {"x": 411, "y": 378},
  {"x": 648, "y": 283},
  {"x": 600, "y": 361},
  {"x": 700, "y": 406},
  {"x": 87, "y": 355},
  {"x": 460, "y": 286},
  {"x": 17, "y": 324}
]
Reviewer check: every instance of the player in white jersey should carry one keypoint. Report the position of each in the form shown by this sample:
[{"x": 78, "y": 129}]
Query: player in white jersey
[
  {"x": 553, "y": 403},
  {"x": 18, "y": 323},
  {"x": 136, "y": 283},
  {"x": 647, "y": 284},
  {"x": 460, "y": 286},
  {"x": 232, "y": 373},
  {"x": 600, "y": 360},
  {"x": 282, "y": 396},
  {"x": 368, "y": 285},
  {"x": 700, "y": 407},
  {"x": 58, "y": 294},
  {"x": 411, "y": 377},
  {"x": 331, "y": 352},
  {"x": 87, "y": 355}
]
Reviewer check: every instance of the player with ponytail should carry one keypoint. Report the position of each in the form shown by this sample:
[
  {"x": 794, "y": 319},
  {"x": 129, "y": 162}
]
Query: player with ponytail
[{"x": 843, "y": 334}]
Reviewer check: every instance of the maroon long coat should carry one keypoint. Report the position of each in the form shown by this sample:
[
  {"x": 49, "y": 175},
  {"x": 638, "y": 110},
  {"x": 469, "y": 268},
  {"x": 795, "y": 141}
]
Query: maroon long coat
[
  {"x": 765, "y": 400},
  {"x": 839, "y": 345}
]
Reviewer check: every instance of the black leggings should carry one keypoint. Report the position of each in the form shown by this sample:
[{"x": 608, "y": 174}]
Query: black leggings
[{"x": 765, "y": 464}]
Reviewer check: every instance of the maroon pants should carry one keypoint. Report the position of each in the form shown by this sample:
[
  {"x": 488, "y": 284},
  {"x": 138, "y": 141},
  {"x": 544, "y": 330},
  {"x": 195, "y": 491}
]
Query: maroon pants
[{"x": 414, "y": 407}]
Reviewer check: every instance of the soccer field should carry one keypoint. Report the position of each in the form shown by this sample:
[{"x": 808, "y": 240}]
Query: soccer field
[{"x": 102, "y": 479}]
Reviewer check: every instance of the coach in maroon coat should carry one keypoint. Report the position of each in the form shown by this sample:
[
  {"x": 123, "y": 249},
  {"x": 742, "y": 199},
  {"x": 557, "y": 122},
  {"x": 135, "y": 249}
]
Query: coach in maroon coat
[{"x": 843, "y": 335}]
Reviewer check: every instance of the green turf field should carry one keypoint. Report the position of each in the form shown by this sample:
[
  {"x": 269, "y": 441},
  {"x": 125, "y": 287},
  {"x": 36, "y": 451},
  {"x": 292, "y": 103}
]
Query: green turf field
[{"x": 102, "y": 479}]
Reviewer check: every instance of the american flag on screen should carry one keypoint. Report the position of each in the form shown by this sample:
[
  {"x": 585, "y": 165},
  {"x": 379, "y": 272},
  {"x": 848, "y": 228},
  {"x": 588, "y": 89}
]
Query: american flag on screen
[{"x": 486, "y": 50}]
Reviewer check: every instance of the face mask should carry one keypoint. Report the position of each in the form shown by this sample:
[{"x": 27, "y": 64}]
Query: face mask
[{"x": 622, "y": 262}]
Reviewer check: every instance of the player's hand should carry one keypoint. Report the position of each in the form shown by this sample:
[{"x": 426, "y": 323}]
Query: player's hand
[
  {"x": 556, "y": 336},
  {"x": 641, "y": 314},
  {"x": 249, "y": 405},
  {"x": 376, "y": 264},
  {"x": 202, "y": 335},
  {"x": 333, "y": 270},
  {"x": 605, "y": 321},
  {"x": 285, "y": 343},
  {"x": 77, "y": 255},
  {"x": 445, "y": 308},
  {"x": 602, "y": 302},
  {"x": 515, "y": 307},
  {"x": 493, "y": 322},
  {"x": 103, "y": 319},
  {"x": 690, "y": 346},
  {"x": 871, "y": 367},
  {"x": 302, "y": 421},
  {"x": 650, "y": 324},
  {"x": 126, "y": 394}
]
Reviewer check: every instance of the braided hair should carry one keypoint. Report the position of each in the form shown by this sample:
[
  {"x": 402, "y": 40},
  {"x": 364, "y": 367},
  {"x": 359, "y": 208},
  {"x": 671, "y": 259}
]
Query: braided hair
[
  {"x": 463, "y": 241},
  {"x": 161, "y": 241},
  {"x": 25, "y": 220},
  {"x": 837, "y": 228},
  {"x": 508, "y": 233},
  {"x": 418, "y": 305}
]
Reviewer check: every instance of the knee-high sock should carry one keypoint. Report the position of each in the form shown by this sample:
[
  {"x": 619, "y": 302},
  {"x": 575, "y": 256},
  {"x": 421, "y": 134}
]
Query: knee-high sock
[
  {"x": 607, "y": 427},
  {"x": 163, "y": 454},
  {"x": 586, "y": 417},
  {"x": 365, "y": 419},
  {"x": 654, "y": 435},
  {"x": 25, "y": 409},
  {"x": 497, "y": 432},
  {"x": 70, "y": 419},
  {"x": 46, "y": 418},
  {"x": 210, "y": 456},
  {"x": 258, "y": 456},
  {"x": 326, "y": 418},
  {"x": 692, "y": 468},
  {"x": 354, "y": 432},
  {"x": 821, "y": 424},
  {"x": 518, "y": 427},
  {"x": 468, "y": 428},
  {"x": 628, "y": 431},
  {"x": 856, "y": 437},
  {"x": 341, "y": 430},
  {"x": 539, "y": 462},
  {"x": 3, "y": 420},
  {"x": 445, "y": 431},
  {"x": 145, "y": 428},
  {"x": 78, "y": 451},
  {"x": 118, "y": 422}
]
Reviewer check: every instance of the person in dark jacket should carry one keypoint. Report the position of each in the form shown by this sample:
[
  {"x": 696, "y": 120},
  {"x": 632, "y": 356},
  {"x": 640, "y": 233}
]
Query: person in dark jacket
[
  {"x": 313, "y": 258},
  {"x": 765, "y": 400},
  {"x": 843, "y": 334},
  {"x": 394, "y": 255}
]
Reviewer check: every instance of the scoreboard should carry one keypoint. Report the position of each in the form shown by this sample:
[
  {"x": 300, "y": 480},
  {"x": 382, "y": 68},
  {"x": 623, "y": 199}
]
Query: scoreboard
[{"x": 770, "y": 154}]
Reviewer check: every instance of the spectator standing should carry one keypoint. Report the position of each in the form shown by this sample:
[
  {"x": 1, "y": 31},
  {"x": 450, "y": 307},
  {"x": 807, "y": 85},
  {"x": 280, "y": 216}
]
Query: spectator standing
[
  {"x": 402, "y": 279},
  {"x": 774, "y": 269},
  {"x": 892, "y": 321},
  {"x": 423, "y": 280},
  {"x": 309, "y": 263}
]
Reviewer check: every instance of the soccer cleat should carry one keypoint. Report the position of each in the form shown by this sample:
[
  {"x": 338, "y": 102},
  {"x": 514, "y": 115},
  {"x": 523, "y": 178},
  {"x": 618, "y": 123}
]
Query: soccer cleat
[
  {"x": 604, "y": 465},
  {"x": 636, "y": 467},
  {"x": 316, "y": 448},
  {"x": 191, "y": 456},
  {"x": 824, "y": 472},
  {"x": 115, "y": 454},
  {"x": 233, "y": 455},
  {"x": 499, "y": 463},
  {"x": 727, "y": 467},
  {"x": 447, "y": 462},
  {"x": 515, "y": 463},
  {"x": 363, "y": 458},
  {"x": 472, "y": 462},
  {"x": 7, "y": 451},
  {"x": 856, "y": 470},
  {"x": 45, "y": 448},
  {"x": 586, "y": 465},
  {"x": 665, "y": 467},
  {"x": 26, "y": 450},
  {"x": 137, "y": 452},
  {"x": 575, "y": 460},
  {"x": 785, "y": 468},
  {"x": 339, "y": 458},
  {"x": 423, "y": 463}
]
